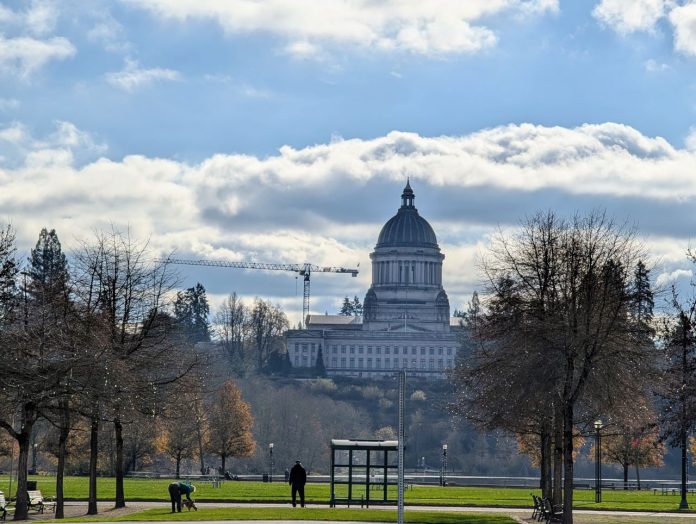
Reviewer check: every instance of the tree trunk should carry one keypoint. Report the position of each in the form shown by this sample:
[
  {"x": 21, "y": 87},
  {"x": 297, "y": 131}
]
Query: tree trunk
[
  {"x": 23, "y": 440},
  {"x": 93, "y": 456},
  {"x": 223, "y": 457},
  {"x": 558, "y": 458},
  {"x": 625, "y": 470},
  {"x": 62, "y": 449},
  {"x": 178, "y": 466},
  {"x": 638, "y": 475},
  {"x": 200, "y": 445},
  {"x": 120, "y": 496},
  {"x": 545, "y": 463},
  {"x": 568, "y": 464}
]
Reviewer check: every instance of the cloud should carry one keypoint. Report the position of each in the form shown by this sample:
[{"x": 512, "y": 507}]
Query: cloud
[
  {"x": 429, "y": 28},
  {"x": 63, "y": 146},
  {"x": 326, "y": 203},
  {"x": 653, "y": 66},
  {"x": 24, "y": 55},
  {"x": 664, "y": 279},
  {"x": 109, "y": 33},
  {"x": 630, "y": 16},
  {"x": 683, "y": 20},
  {"x": 132, "y": 77}
]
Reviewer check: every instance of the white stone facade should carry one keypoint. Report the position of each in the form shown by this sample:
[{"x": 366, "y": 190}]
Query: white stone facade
[{"x": 406, "y": 323}]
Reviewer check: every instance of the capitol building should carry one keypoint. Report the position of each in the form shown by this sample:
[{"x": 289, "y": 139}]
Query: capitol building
[{"x": 406, "y": 320}]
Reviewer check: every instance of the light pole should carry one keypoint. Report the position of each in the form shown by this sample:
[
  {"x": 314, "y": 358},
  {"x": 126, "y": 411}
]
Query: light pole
[
  {"x": 598, "y": 461},
  {"x": 443, "y": 474},
  {"x": 270, "y": 452},
  {"x": 33, "y": 460}
]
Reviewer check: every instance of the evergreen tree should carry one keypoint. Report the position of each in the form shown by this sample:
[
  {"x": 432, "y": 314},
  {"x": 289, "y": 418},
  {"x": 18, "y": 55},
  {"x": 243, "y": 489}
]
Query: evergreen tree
[
  {"x": 357, "y": 307},
  {"x": 346, "y": 308},
  {"x": 319, "y": 365},
  {"x": 191, "y": 311},
  {"x": 48, "y": 267}
]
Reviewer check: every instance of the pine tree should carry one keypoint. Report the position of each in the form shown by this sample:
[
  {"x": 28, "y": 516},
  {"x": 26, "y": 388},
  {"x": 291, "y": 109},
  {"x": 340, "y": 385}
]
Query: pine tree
[
  {"x": 48, "y": 267},
  {"x": 191, "y": 310},
  {"x": 319, "y": 365},
  {"x": 357, "y": 307},
  {"x": 346, "y": 308}
]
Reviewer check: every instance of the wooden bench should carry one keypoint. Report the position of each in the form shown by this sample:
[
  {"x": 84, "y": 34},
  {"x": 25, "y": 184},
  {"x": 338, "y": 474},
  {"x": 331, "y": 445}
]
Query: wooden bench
[
  {"x": 3, "y": 506},
  {"x": 549, "y": 512},
  {"x": 537, "y": 508},
  {"x": 37, "y": 501}
]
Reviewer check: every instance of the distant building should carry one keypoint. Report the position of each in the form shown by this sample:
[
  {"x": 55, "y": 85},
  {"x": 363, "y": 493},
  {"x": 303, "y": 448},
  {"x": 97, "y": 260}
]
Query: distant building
[{"x": 406, "y": 320}]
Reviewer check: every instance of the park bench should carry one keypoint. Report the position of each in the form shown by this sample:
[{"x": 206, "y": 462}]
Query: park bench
[
  {"x": 549, "y": 512},
  {"x": 3, "y": 506},
  {"x": 38, "y": 502},
  {"x": 537, "y": 508}
]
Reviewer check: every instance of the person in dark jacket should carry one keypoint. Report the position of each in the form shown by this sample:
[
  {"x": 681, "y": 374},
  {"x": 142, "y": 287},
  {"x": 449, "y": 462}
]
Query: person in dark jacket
[
  {"x": 176, "y": 489},
  {"x": 298, "y": 478}
]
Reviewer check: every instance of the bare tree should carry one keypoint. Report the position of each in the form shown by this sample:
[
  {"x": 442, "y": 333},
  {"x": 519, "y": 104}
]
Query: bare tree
[
  {"x": 119, "y": 283},
  {"x": 231, "y": 328},
  {"x": 268, "y": 322},
  {"x": 559, "y": 335}
]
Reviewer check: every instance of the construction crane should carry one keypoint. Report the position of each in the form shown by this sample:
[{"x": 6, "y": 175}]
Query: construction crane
[{"x": 304, "y": 270}]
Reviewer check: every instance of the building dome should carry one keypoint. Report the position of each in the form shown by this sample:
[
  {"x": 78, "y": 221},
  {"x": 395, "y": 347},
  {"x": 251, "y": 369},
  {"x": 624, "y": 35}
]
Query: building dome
[{"x": 407, "y": 228}]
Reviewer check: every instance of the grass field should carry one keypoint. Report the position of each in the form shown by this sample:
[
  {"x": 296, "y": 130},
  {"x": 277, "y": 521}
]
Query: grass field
[
  {"x": 156, "y": 489},
  {"x": 280, "y": 514}
]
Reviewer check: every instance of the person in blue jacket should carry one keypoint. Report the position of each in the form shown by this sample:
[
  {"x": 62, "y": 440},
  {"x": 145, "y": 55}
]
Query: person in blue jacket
[{"x": 176, "y": 489}]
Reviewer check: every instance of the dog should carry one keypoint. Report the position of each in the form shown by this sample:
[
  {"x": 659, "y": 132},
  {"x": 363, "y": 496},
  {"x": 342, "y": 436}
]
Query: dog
[{"x": 189, "y": 505}]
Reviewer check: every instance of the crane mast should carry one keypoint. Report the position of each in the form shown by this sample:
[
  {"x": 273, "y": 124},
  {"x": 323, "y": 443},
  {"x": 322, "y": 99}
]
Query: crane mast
[{"x": 304, "y": 270}]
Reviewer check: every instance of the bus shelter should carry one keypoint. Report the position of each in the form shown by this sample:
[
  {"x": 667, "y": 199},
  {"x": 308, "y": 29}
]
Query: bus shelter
[{"x": 363, "y": 466}]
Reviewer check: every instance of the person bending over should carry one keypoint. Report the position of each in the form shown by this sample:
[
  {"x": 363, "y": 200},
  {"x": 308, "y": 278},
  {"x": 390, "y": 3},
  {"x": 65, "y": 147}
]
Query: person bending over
[{"x": 176, "y": 490}]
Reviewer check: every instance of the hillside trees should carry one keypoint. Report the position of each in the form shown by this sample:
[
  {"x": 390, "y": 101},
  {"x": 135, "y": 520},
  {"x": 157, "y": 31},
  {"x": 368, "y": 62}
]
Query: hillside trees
[{"x": 559, "y": 338}]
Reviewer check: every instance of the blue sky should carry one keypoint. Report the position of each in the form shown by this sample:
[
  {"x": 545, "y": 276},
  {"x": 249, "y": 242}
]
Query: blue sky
[{"x": 283, "y": 130}]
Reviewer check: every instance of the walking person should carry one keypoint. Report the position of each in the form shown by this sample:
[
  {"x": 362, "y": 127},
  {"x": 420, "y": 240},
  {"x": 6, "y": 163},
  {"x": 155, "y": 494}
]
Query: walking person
[
  {"x": 297, "y": 479},
  {"x": 176, "y": 489}
]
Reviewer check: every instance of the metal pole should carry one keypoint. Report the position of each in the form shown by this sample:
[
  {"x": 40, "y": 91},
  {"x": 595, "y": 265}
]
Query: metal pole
[
  {"x": 400, "y": 503},
  {"x": 598, "y": 462}
]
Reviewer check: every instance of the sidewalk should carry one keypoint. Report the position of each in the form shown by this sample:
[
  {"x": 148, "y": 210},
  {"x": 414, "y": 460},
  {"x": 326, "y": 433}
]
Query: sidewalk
[{"x": 74, "y": 509}]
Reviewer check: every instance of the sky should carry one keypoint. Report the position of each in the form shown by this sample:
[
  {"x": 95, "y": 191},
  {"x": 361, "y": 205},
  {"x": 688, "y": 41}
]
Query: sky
[{"x": 283, "y": 131}]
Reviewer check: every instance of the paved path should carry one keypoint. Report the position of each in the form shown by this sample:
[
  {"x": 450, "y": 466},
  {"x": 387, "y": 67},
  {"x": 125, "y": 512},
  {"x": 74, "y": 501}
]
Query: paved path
[{"x": 517, "y": 513}]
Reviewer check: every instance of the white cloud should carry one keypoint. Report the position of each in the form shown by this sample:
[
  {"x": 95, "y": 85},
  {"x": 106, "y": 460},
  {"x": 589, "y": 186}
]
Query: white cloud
[
  {"x": 132, "y": 77},
  {"x": 299, "y": 204},
  {"x": 683, "y": 19},
  {"x": 432, "y": 27},
  {"x": 653, "y": 66},
  {"x": 41, "y": 17},
  {"x": 664, "y": 279},
  {"x": 629, "y": 16},
  {"x": 64, "y": 145},
  {"x": 109, "y": 33},
  {"x": 24, "y": 55}
]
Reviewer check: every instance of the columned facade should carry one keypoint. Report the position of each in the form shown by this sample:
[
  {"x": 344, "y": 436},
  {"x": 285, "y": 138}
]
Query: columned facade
[{"x": 406, "y": 322}]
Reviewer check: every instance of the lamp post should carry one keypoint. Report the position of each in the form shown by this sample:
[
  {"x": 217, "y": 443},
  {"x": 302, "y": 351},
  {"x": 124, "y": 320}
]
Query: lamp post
[
  {"x": 270, "y": 453},
  {"x": 598, "y": 461},
  {"x": 32, "y": 471},
  {"x": 443, "y": 474}
]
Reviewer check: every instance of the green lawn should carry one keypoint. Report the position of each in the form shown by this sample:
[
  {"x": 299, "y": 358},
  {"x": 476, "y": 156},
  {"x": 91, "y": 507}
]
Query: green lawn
[
  {"x": 137, "y": 489},
  {"x": 279, "y": 514}
]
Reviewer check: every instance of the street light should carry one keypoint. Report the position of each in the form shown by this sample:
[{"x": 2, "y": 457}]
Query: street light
[
  {"x": 270, "y": 452},
  {"x": 443, "y": 474},
  {"x": 598, "y": 461},
  {"x": 33, "y": 460}
]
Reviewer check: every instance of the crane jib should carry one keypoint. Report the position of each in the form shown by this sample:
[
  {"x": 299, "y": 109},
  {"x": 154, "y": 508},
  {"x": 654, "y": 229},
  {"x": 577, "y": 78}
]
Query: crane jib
[{"x": 302, "y": 269}]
